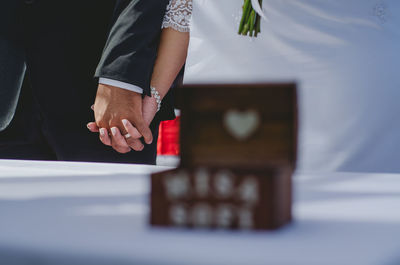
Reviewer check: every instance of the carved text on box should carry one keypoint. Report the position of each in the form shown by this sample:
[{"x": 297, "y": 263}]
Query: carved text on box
[{"x": 207, "y": 199}]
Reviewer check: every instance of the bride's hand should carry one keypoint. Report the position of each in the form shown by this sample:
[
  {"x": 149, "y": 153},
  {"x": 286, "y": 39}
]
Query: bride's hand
[{"x": 149, "y": 110}]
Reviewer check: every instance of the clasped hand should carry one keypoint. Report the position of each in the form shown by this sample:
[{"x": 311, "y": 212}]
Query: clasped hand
[{"x": 120, "y": 112}]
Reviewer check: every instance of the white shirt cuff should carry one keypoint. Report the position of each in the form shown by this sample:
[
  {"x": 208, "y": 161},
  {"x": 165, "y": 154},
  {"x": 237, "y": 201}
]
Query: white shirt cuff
[{"x": 127, "y": 86}]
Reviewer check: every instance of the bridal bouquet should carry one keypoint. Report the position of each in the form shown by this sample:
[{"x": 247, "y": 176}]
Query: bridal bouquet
[{"x": 251, "y": 18}]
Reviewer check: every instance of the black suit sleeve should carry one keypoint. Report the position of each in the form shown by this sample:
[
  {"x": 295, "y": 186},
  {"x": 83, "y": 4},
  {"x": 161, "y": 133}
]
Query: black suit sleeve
[{"x": 131, "y": 48}]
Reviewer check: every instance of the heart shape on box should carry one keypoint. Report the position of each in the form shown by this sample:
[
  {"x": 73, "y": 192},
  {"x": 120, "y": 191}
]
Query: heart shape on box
[{"x": 241, "y": 124}]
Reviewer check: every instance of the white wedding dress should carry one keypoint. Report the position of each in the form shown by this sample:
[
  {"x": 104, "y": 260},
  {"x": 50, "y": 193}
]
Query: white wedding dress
[{"x": 345, "y": 56}]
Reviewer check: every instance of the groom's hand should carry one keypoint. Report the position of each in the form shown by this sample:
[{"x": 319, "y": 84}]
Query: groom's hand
[
  {"x": 113, "y": 105},
  {"x": 149, "y": 110}
]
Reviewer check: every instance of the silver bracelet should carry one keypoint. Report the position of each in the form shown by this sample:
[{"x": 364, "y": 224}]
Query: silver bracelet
[{"x": 156, "y": 95}]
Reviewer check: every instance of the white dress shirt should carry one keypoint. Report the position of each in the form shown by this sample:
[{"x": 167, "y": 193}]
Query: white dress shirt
[{"x": 116, "y": 83}]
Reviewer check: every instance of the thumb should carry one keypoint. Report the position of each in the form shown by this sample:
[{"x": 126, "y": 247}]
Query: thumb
[
  {"x": 149, "y": 109},
  {"x": 145, "y": 131}
]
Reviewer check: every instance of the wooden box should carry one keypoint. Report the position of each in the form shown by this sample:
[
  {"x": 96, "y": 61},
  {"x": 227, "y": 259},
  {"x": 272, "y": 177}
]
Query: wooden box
[
  {"x": 238, "y": 154},
  {"x": 247, "y": 126}
]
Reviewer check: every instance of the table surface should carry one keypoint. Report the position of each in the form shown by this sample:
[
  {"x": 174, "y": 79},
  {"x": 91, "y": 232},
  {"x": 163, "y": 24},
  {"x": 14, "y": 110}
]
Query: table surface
[{"x": 85, "y": 213}]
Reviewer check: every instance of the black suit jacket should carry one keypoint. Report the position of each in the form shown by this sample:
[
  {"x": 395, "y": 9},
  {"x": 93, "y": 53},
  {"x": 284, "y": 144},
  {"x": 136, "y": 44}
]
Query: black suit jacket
[
  {"x": 26, "y": 31},
  {"x": 10, "y": 61},
  {"x": 58, "y": 40},
  {"x": 131, "y": 48}
]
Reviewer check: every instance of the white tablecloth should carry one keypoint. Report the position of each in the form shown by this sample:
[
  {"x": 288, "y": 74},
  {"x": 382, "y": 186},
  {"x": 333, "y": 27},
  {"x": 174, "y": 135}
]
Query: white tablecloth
[{"x": 81, "y": 213}]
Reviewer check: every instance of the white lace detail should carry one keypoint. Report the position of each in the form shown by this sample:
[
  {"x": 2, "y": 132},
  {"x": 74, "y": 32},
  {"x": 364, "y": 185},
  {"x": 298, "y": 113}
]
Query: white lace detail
[{"x": 178, "y": 15}]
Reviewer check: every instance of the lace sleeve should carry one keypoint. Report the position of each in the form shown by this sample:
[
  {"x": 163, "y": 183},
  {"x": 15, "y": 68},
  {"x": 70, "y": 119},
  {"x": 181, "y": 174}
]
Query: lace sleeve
[{"x": 178, "y": 15}]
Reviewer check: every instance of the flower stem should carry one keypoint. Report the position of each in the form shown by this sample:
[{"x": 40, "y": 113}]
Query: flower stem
[
  {"x": 246, "y": 10},
  {"x": 258, "y": 27},
  {"x": 250, "y": 22}
]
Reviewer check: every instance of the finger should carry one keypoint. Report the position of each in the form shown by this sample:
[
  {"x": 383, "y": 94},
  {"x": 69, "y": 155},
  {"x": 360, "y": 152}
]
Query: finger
[
  {"x": 145, "y": 131},
  {"x": 133, "y": 141},
  {"x": 135, "y": 144},
  {"x": 118, "y": 142},
  {"x": 104, "y": 137},
  {"x": 92, "y": 126},
  {"x": 130, "y": 129}
]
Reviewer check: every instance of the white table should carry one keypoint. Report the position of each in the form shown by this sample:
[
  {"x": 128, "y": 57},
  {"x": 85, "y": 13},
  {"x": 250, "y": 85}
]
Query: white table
[{"x": 81, "y": 213}]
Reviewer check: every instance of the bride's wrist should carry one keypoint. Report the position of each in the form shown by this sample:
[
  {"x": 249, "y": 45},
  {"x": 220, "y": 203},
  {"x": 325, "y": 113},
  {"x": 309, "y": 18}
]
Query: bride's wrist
[
  {"x": 161, "y": 89},
  {"x": 156, "y": 96}
]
